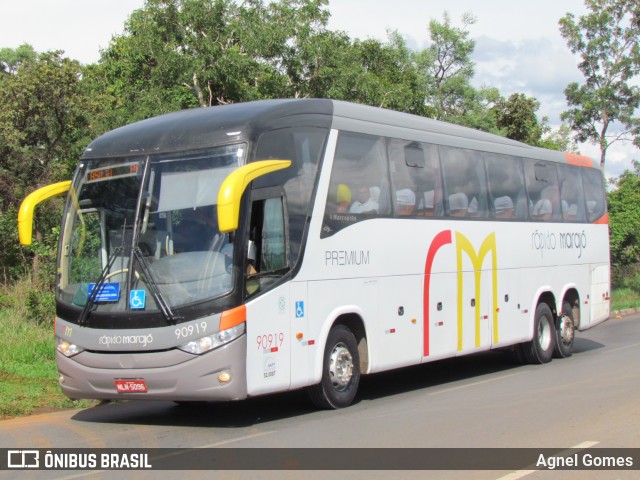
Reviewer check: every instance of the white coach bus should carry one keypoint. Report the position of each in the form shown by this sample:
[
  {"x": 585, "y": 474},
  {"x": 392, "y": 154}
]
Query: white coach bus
[{"x": 227, "y": 252}]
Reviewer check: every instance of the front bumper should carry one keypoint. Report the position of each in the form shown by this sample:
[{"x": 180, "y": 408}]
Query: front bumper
[{"x": 169, "y": 375}]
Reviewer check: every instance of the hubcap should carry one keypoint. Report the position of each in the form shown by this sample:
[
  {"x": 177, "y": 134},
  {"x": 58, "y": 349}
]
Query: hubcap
[
  {"x": 544, "y": 334},
  {"x": 566, "y": 330},
  {"x": 341, "y": 366}
]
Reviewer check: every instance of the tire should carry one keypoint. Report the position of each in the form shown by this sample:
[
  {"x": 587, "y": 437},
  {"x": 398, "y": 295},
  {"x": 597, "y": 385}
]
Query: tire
[
  {"x": 340, "y": 371},
  {"x": 540, "y": 348},
  {"x": 564, "y": 332}
]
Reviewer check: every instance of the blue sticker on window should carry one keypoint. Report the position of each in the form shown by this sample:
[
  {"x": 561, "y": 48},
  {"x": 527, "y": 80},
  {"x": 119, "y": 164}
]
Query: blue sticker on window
[
  {"x": 137, "y": 299},
  {"x": 108, "y": 292}
]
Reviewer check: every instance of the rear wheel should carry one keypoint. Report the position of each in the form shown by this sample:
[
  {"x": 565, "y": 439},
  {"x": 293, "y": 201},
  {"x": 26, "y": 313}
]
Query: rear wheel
[
  {"x": 564, "y": 332},
  {"x": 540, "y": 348},
  {"x": 340, "y": 371}
]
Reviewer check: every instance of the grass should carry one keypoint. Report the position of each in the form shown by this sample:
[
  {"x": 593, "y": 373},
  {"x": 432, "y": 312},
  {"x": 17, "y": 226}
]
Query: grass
[
  {"x": 622, "y": 298},
  {"x": 28, "y": 374}
]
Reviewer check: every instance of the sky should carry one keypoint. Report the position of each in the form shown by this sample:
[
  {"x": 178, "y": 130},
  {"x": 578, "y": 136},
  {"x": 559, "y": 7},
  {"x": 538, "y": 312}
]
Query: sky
[{"x": 518, "y": 43}]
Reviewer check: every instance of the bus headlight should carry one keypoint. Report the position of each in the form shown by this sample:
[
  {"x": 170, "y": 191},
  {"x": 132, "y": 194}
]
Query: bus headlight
[
  {"x": 211, "y": 342},
  {"x": 66, "y": 348}
]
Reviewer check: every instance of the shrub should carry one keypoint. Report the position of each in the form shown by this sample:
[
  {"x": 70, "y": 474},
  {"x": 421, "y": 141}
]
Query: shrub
[{"x": 40, "y": 305}]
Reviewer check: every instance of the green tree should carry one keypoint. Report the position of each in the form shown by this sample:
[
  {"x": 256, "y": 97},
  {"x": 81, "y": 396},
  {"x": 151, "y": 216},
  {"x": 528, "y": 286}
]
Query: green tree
[
  {"x": 45, "y": 123},
  {"x": 608, "y": 42},
  {"x": 179, "y": 54},
  {"x": 478, "y": 111},
  {"x": 517, "y": 119},
  {"x": 388, "y": 75},
  {"x": 43, "y": 117},
  {"x": 330, "y": 67},
  {"x": 448, "y": 68},
  {"x": 516, "y": 116},
  {"x": 559, "y": 139},
  {"x": 12, "y": 58},
  {"x": 624, "y": 218}
]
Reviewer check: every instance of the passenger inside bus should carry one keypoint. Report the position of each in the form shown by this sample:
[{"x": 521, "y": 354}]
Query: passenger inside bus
[
  {"x": 542, "y": 210},
  {"x": 458, "y": 204},
  {"x": 343, "y": 198},
  {"x": 405, "y": 201},
  {"x": 472, "y": 211},
  {"x": 503, "y": 207},
  {"x": 570, "y": 212},
  {"x": 428, "y": 208},
  {"x": 375, "y": 195},
  {"x": 364, "y": 203}
]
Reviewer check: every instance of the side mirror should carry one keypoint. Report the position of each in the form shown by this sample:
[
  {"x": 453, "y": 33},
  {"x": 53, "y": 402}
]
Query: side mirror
[
  {"x": 25, "y": 214},
  {"x": 234, "y": 186}
]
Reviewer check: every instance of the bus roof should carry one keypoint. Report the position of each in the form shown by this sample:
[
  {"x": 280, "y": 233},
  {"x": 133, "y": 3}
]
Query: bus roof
[
  {"x": 206, "y": 127},
  {"x": 200, "y": 127}
]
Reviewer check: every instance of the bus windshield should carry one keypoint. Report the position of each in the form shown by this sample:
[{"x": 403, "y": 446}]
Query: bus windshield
[{"x": 143, "y": 232}]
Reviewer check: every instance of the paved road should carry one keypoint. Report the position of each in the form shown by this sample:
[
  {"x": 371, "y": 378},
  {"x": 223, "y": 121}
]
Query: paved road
[{"x": 588, "y": 400}]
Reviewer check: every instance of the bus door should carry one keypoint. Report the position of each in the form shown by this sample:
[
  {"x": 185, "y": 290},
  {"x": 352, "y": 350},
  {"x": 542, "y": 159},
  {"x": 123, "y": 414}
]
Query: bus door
[{"x": 268, "y": 300}]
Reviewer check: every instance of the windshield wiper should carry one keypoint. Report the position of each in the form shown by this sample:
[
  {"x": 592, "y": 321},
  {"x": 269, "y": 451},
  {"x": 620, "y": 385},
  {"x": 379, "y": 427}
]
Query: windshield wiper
[
  {"x": 153, "y": 287},
  {"x": 91, "y": 299}
]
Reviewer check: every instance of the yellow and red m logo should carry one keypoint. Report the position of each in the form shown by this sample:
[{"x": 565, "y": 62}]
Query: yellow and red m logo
[{"x": 477, "y": 260}]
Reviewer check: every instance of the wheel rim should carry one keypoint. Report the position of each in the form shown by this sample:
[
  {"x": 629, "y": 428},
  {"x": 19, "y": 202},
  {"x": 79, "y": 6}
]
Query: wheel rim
[
  {"x": 544, "y": 334},
  {"x": 341, "y": 366},
  {"x": 566, "y": 329}
]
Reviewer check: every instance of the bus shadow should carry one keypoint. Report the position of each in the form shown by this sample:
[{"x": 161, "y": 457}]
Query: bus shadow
[
  {"x": 434, "y": 374},
  {"x": 245, "y": 413},
  {"x": 261, "y": 410},
  {"x": 448, "y": 371},
  {"x": 582, "y": 345}
]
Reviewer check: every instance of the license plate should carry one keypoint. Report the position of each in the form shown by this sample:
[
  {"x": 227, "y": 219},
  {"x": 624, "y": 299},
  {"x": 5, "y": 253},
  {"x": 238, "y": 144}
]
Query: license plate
[{"x": 131, "y": 386}]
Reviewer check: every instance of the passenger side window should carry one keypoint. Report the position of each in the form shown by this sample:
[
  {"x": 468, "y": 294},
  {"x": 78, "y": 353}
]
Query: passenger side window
[
  {"x": 465, "y": 193},
  {"x": 542, "y": 187},
  {"x": 359, "y": 185},
  {"x": 415, "y": 178},
  {"x": 507, "y": 196},
  {"x": 571, "y": 194}
]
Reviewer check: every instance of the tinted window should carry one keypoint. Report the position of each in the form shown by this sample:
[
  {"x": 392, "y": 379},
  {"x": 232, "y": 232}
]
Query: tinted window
[
  {"x": 542, "y": 188},
  {"x": 415, "y": 178},
  {"x": 571, "y": 193},
  {"x": 359, "y": 185},
  {"x": 592, "y": 182},
  {"x": 507, "y": 195},
  {"x": 464, "y": 183}
]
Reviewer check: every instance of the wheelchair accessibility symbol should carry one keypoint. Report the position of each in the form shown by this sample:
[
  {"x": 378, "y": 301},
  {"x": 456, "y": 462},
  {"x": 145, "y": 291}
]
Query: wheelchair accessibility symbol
[
  {"x": 299, "y": 309},
  {"x": 137, "y": 299}
]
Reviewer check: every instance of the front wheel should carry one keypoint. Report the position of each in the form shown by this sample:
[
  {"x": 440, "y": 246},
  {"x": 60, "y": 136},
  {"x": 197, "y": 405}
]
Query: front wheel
[
  {"x": 540, "y": 348},
  {"x": 340, "y": 371},
  {"x": 564, "y": 332}
]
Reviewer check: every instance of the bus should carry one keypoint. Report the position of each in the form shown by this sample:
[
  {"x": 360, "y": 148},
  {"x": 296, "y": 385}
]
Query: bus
[{"x": 227, "y": 252}]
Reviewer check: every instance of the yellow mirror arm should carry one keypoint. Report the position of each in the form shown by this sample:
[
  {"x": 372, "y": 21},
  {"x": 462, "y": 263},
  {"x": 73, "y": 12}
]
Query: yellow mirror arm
[
  {"x": 234, "y": 186},
  {"x": 25, "y": 214}
]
